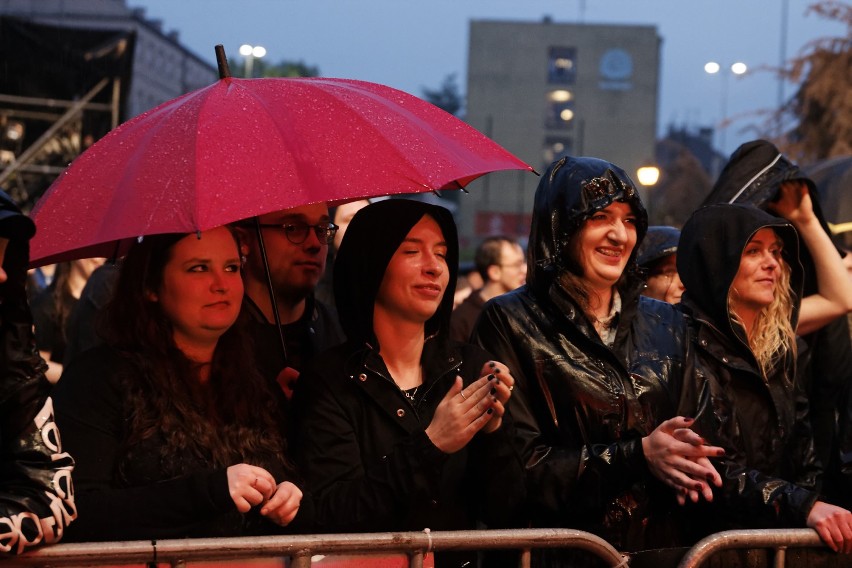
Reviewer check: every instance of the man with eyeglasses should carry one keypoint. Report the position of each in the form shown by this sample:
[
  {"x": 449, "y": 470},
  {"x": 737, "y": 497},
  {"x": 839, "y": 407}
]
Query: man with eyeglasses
[
  {"x": 296, "y": 242},
  {"x": 501, "y": 263}
]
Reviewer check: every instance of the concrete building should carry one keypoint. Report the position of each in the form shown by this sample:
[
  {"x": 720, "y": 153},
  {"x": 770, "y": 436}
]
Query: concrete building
[
  {"x": 162, "y": 68},
  {"x": 545, "y": 89}
]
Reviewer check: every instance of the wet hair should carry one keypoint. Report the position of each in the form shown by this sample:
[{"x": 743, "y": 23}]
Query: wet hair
[
  {"x": 232, "y": 419},
  {"x": 772, "y": 335}
]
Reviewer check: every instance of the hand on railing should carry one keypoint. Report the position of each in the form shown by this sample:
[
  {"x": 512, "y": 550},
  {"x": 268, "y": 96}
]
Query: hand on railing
[
  {"x": 679, "y": 457},
  {"x": 284, "y": 504},
  {"x": 833, "y": 525},
  {"x": 249, "y": 485}
]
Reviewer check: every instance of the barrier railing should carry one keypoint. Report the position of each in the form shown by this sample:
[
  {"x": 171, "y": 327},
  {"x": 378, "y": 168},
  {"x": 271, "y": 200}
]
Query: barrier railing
[
  {"x": 779, "y": 540},
  {"x": 300, "y": 549}
]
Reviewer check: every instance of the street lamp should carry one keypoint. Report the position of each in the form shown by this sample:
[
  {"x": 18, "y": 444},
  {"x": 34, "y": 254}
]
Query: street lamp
[
  {"x": 648, "y": 176},
  {"x": 251, "y": 52},
  {"x": 712, "y": 68}
]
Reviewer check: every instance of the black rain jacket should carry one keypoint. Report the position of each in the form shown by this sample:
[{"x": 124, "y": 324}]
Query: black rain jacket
[
  {"x": 581, "y": 408},
  {"x": 360, "y": 443},
  {"x": 769, "y": 471},
  {"x": 36, "y": 492}
]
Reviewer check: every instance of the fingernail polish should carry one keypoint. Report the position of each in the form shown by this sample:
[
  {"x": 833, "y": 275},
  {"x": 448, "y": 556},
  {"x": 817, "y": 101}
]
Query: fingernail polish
[
  {"x": 491, "y": 377},
  {"x": 720, "y": 453},
  {"x": 496, "y": 370},
  {"x": 490, "y": 411},
  {"x": 493, "y": 391},
  {"x": 688, "y": 419},
  {"x": 492, "y": 364}
]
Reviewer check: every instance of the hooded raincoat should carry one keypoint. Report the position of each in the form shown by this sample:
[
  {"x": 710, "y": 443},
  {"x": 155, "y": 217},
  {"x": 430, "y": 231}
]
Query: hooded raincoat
[
  {"x": 361, "y": 443},
  {"x": 754, "y": 175},
  {"x": 769, "y": 471},
  {"x": 36, "y": 492},
  {"x": 581, "y": 407}
]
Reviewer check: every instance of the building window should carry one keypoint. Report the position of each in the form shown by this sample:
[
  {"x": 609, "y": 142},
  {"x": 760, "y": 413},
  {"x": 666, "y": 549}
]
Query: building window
[
  {"x": 560, "y": 110},
  {"x": 554, "y": 148},
  {"x": 562, "y": 66}
]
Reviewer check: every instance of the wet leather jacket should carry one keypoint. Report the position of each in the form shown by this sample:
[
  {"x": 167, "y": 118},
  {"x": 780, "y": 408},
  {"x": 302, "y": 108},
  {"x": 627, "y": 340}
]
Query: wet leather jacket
[
  {"x": 36, "y": 494},
  {"x": 581, "y": 408}
]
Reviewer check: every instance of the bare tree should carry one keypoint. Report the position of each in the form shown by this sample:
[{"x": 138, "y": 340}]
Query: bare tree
[{"x": 820, "y": 113}]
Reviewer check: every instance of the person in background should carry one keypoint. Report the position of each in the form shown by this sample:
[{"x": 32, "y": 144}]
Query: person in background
[
  {"x": 82, "y": 330},
  {"x": 743, "y": 290},
  {"x": 36, "y": 492},
  {"x": 467, "y": 282},
  {"x": 53, "y": 306},
  {"x": 598, "y": 369},
  {"x": 296, "y": 242},
  {"x": 501, "y": 264},
  {"x": 657, "y": 256},
  {"x": 170, "y": 421},
  {"x": 401, "y": 428},
  {"x": 340, "y": 215}
]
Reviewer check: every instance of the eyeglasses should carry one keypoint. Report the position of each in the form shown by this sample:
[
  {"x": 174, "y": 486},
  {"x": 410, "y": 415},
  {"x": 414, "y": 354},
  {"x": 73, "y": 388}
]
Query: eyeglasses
[{"x": 297, "y": 233}]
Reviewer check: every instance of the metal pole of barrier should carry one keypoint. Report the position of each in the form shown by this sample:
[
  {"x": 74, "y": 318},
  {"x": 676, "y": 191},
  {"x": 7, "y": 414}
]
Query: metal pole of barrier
[
  {"x": 415, "y": 559},
  {"x": 301, "y": 559},
  {"x": 780, "y": 557},
  {"x": 526, "y": 558},
  {"x": 777, "y": 539},
  {"x": 300, "y": 548}
]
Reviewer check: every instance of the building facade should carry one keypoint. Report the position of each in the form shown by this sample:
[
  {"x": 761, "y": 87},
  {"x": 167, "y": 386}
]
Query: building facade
[{"x": 543, "y": 90}]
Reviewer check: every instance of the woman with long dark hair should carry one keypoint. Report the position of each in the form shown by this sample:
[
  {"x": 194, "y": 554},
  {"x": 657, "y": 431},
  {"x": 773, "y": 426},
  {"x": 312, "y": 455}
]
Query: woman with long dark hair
[{"x": 175, "y": 432}]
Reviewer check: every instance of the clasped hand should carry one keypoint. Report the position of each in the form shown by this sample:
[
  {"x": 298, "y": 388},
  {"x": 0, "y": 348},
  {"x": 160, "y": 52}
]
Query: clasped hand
[
  {"x": 250, "y": 486},
  {"x": 680, "y": 458}
]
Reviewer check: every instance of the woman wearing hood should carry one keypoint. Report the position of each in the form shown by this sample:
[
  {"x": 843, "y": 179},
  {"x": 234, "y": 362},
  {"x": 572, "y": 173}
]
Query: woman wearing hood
[
  {"x": 388, "y": 423},
  {"x": 743, "y": 283},
  {"x": 598, "y": 368}
]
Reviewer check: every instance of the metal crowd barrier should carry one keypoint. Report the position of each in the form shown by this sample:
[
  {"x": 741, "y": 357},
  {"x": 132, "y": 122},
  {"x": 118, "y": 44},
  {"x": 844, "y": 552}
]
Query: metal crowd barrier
[
  {"x": 300, "y": 549},
  {"x": 779, "y": 540}
]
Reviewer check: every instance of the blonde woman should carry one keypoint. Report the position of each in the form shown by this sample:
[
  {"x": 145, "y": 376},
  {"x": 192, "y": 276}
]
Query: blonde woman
[{"x": 743, "y": 283}]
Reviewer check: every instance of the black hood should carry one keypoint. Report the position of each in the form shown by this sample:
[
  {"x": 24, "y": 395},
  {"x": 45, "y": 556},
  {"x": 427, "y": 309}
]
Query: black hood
[
  {"x": 14, "y": 225},
  {"x": 373, "y": 236},
  {"x": 754, "y": 174},
  {"x": 570, "y": 191},
  {"x": 709, "y": 252},
  {"x": 660, "y": 241}
]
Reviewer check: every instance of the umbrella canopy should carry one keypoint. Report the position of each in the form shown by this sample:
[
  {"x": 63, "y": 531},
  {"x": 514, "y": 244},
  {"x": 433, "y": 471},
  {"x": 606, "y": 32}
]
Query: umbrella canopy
[{"x": 244, "y": 147}]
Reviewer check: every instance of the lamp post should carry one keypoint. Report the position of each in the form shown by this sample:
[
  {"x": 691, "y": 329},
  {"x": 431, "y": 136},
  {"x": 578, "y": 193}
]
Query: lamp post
[
  {"x": 712, "y": 68},
  {"x": 648, "y": 176},
  {"x": 250, "y": 53}
]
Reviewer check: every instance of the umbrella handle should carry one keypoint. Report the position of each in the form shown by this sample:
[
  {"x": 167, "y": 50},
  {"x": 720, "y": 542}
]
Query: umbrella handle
[
  {"x": 222, "y": 62},
  {"x": 274, "y": 304}
]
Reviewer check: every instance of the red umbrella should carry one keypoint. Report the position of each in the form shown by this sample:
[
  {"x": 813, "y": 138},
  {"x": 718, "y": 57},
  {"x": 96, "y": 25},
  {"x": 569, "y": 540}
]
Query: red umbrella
[{"x": 244, "y": 147}]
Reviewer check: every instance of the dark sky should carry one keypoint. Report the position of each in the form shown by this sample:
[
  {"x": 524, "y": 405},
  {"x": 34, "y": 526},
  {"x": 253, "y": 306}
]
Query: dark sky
[{"x": 412, "y": 44}]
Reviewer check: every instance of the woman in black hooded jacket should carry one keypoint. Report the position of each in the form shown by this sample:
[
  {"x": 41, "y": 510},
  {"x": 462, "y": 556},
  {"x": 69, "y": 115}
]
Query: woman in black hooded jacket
[
  {"x": 743, "y": 283},
  {"x": 400, "y": 428},
  {"x": 598, "y": 367}
]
